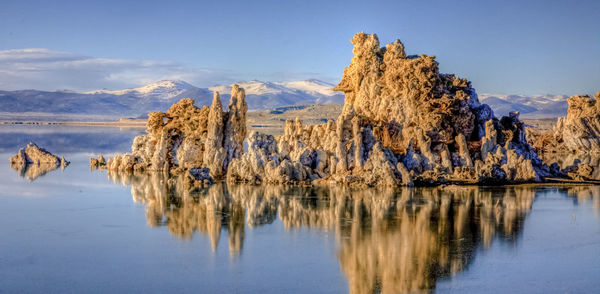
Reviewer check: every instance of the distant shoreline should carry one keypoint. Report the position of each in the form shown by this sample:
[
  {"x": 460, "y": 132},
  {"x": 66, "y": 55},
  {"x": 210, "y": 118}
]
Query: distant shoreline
[{"x": 130, "y": 123}]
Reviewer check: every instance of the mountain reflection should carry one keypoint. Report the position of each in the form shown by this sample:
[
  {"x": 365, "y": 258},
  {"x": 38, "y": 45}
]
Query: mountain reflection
[{"x": 390, "y": 240}]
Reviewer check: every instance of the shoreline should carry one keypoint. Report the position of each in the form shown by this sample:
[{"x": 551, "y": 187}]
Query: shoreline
[
  {"x": 131, "y": 124},
  {"x": 549, "y": 182}
]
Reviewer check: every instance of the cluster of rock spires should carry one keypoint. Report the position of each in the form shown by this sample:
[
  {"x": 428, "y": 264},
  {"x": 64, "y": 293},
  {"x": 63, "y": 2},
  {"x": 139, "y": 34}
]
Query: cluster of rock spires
[
  {"x": 201, "y": 142},
  {"x": 32, "y": 161},
  {"x": 403, "y": 123}
]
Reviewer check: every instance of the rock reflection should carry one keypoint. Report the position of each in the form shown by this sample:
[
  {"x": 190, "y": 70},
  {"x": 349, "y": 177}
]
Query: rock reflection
[
  {"x": 584, "y": 194},
  {"x": 390, "y": 240},
  {"x": 427, "y": 235},
  {"x": 183, "y": 210},
  {"x": 34, "y": 170}
]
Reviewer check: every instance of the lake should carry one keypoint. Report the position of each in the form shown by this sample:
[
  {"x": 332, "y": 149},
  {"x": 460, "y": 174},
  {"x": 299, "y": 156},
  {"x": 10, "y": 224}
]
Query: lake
[{"x": 77, "y": 230}]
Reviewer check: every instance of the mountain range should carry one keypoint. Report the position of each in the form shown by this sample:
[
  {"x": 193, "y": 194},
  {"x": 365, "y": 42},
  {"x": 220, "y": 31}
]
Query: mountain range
[{"x": 159, "y": 96}]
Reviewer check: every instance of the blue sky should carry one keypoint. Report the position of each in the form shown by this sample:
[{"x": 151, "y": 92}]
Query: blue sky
[{"x": 506, "y": 47}]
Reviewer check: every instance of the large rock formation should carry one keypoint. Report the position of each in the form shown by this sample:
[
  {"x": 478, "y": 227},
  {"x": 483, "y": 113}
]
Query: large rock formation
[
  {"x": 189, "y": 139},
  {"x": 402, "y": 122},
  {"x": 32, "y": 161}
]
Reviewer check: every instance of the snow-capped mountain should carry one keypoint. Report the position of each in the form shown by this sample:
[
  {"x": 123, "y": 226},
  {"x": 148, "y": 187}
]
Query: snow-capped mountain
[
  {"x": 266, "y": 95},
  {"x": 160, "y": 95},
  {"x": 253, "y": 88},
  {"x": 535, "y": 106},
  {"x": 164, "y": 89},
  {"x": 312, "y": 86}
]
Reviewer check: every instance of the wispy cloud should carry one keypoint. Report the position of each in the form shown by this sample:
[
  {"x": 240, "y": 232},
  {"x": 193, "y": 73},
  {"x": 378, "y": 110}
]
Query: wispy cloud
[{"x": 45, "y": 69}]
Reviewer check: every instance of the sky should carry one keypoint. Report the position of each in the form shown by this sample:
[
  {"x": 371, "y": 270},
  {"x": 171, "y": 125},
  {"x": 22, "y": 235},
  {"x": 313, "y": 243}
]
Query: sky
[{"x": 503, "y": 47}]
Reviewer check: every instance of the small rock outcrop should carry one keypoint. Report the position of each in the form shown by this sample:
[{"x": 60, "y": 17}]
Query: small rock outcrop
[
  {"x": 187, "y": 139},
  {"x": 34, "y": 154},
  {"x": 99, "y": 162},
  {"x": 32, "y": 161}
]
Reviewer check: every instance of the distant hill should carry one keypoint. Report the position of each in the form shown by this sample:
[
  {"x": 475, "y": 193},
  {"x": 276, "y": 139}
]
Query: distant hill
[{"x": 160, "y": 95}]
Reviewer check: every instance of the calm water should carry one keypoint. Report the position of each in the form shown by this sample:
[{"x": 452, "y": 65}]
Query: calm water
[{"x": 75, "y": 230}]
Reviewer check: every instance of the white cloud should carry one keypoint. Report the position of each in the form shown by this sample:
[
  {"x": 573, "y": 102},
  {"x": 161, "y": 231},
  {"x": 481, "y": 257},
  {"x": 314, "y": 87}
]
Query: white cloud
[{"x": 45, "y": 69}]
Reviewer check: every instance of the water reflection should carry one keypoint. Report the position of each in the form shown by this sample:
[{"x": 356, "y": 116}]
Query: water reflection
[
  {"x": 63, "y": 139},
  {"x": 584, "y": 194},
  {"x": 389, "y": 240},
  {"x": 32, "y": 171},
  {"x": 428, "y": 236}
]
